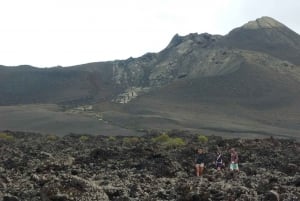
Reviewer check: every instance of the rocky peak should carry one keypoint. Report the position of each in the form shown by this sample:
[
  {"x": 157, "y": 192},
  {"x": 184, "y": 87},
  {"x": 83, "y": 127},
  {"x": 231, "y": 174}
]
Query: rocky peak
[
  {"x": 175, "y": 41},
  {"x": 193, "y": 37},
  {"x": 263, "y": 22},
  {"x": 268, "y": 36}
]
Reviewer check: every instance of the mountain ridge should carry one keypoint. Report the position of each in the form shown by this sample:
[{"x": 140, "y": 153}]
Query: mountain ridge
[
  {"x": 278, "y": 41},
  {"x": 263, "y": 22},
  {"x": 250, "y": 70}
]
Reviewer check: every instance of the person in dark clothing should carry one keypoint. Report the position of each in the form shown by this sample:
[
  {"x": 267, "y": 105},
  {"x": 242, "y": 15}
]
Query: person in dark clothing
[
  {"x": 219, "y": 161},
  {"x": 199, "y": 162}
]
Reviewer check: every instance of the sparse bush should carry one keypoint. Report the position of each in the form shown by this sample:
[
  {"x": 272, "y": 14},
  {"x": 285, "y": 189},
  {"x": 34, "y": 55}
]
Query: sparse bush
[
  {"x": 83, "y": 138},
  {"x": 112, "y": 138},
  {"x": 161, "y": 138},
  {"x": 141, "y": 139},
  {"x": 5, "y": 136},
  {"x": 165, "y": 140},
  {"x": 131, "y": 140},
  {"x": 175, "y": 142},
  {"x": 202, "y": 139},
  {"x": 52, "y": 137}
]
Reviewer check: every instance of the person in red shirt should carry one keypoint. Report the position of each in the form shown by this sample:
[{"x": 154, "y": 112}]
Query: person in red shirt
[{"x": 234, "y": 159}]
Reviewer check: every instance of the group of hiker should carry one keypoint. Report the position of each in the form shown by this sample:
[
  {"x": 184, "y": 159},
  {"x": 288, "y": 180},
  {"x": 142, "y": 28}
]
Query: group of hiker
[{"x": 201, "y": 159}]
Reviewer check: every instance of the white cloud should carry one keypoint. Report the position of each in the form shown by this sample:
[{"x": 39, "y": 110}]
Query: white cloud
[{"x": 69, "y": 32}]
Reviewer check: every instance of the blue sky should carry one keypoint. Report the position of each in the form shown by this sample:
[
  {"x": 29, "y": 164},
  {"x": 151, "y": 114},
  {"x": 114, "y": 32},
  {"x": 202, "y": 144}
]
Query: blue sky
[{"x": 47, "y": 33}]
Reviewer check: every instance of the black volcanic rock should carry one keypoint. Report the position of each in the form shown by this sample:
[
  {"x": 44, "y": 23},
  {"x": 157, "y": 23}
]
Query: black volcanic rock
[
  {"x": 145, "y": 170},
  {"x": 68, "y": 187},
  {"x": 204, "y": 40}
]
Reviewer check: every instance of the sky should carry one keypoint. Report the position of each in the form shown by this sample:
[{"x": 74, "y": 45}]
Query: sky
[{"x": 47, "y": 33}]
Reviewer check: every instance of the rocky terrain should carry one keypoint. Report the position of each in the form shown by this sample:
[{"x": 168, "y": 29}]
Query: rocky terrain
[{"x": 154, "y": 166}]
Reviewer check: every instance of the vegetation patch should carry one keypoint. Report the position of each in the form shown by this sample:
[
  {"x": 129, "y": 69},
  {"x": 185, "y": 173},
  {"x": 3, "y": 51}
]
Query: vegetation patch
[
  {"x": 83, "y": 138},
  {"x": 166, "y": 140},
  {"x": 202, "y": 139},
  {"x": 112, "y": 138},
  {"x": 161, "y": 138},
  {"x": 52, "y": 137},
  {"x": 5, "y": 136},
  {"x": 131, "y": 140}
]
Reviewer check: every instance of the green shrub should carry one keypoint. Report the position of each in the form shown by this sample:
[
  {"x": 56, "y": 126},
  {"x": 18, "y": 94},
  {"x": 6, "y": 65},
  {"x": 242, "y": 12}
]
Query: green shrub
[
  {"x": 112, "y": 138},
  {"x": 5, "y": 136},
  {"x": 52, "y": 137},
  {"x": 83, "y": 138},
  {"x": 131, "y": 140},
  {"x": 202, "y": 139},
  {"x": 165, "y": 140},
  {"x": 175, "y": 142},
  {"x": 161, "y": 138}
]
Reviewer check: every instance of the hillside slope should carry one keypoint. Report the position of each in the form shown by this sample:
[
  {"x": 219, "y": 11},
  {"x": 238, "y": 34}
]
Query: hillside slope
[{"x": 247, "y": 81}]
